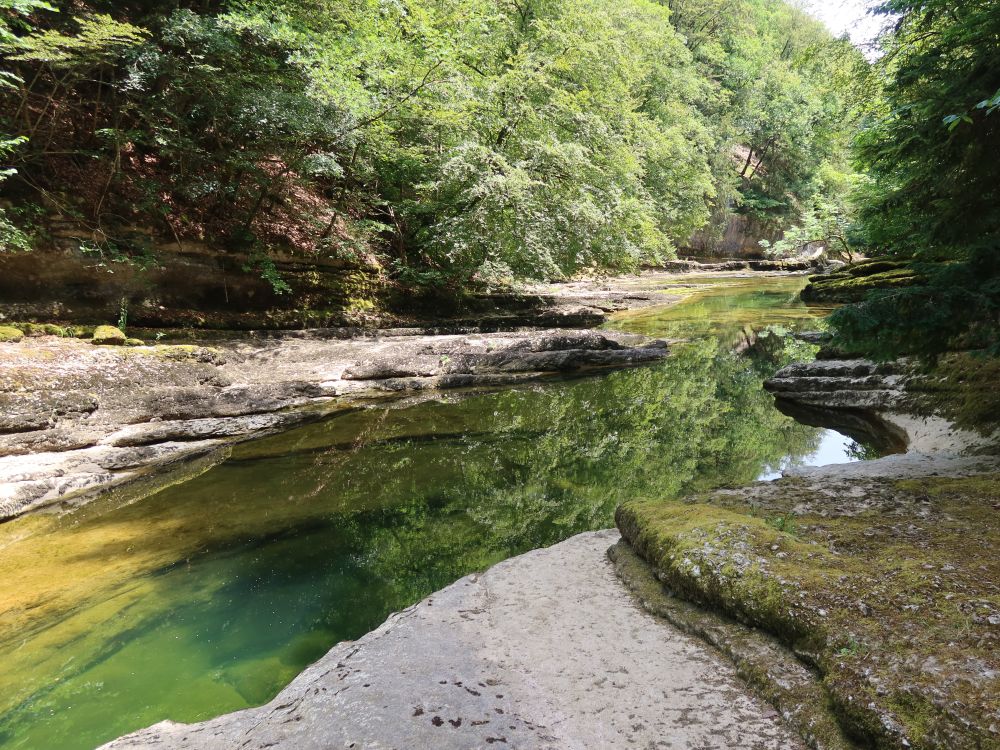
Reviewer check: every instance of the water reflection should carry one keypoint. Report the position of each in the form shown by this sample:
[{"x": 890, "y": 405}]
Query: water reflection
[
  {"x": 833, "y": 448},
  {"x": 211, "y": 595}
]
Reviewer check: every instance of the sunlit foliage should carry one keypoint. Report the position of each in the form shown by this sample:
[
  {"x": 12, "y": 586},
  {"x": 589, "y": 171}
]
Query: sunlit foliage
[{"x": 457, "y": 140}]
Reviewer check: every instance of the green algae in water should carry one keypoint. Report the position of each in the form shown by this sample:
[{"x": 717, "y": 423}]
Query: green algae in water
[
  {"x": 211, "y": 595},
  {"x": 727, "y": 310}
]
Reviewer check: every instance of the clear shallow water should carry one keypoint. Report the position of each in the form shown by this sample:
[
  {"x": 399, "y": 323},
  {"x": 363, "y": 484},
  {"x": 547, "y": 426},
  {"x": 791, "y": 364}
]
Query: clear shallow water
[
  {"x": 833, "y": 448},
  {"x": 212, "y": 594}
]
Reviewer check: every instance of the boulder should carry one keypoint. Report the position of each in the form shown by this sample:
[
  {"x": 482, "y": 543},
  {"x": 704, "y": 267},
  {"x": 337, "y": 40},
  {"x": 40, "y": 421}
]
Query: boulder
[{"x": 109, "y": 336}]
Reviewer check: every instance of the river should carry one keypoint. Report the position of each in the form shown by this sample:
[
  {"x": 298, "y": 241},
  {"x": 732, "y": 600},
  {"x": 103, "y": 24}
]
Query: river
[{"x": 212, "y": 594}]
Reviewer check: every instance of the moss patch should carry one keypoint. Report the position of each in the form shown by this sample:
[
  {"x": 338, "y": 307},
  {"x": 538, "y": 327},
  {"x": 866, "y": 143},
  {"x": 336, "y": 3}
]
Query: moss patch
[
  {"x": 853, "y": 283},
  {"x": 891, "y": 589},
  {"x": 771, "y": 670},
  {"x": 10, "y": 334},
  {"x": 108, "y": 335}
]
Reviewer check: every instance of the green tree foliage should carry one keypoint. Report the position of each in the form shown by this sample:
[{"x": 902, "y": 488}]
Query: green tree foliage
[
  {"x": 782, "y": 107},
  {"x": 930, "y": 145},
  {"x": 457, "y": 139},
  {"x": 827, "y": 218},
  {"x": 13, "y": 18}
]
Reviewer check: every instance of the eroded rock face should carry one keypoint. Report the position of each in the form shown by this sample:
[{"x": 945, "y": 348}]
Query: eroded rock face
[
  {"x": 72, "y": 415},
  {"x": 841, "y": 384},
  {"x": 893, "y": 405},
  {"x": 545, "y": 650}
]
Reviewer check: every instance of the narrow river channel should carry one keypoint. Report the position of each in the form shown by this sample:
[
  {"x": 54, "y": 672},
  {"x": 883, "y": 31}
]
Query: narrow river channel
[{"x": 212, "y": 594}]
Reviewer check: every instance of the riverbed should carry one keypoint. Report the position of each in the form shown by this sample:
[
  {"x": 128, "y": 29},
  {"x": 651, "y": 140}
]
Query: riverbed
[{"x": 212, "y": 594}]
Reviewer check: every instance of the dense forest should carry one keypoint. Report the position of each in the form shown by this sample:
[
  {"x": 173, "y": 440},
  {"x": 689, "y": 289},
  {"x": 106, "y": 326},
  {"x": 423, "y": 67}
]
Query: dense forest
[
  {"x": 451, "y": 140},
  {"x": 455, "y": 143},
  {"x": 928, "y": 141}
]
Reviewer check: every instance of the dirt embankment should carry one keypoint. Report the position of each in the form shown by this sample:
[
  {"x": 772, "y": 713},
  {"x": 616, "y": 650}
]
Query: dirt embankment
[{"x": 191, "y": 285}]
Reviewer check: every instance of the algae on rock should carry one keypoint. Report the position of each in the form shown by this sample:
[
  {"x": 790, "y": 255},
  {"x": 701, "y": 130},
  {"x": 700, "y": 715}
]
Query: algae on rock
[{"x": 888, "y": 587}]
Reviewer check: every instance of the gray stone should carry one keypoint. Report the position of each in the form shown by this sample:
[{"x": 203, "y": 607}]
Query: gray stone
[
  {"x": 63, "y": 398},
  {"x": 546, "y": 650}
]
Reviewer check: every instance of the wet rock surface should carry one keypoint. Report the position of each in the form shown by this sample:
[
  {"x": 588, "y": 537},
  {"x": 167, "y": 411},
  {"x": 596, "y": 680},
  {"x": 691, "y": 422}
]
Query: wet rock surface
[
  {"x": 546, "y": 650},
  {"x": 73, "y": 414}
]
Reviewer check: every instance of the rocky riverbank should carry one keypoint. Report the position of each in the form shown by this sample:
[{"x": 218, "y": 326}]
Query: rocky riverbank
[
  {"x": 882, "y": 576},
  {"x": 191, "y": 285},
  {"x": 79, "y": 419},
  {"x": 546, "y": 650},
  {"x": 859, "y": 600}
]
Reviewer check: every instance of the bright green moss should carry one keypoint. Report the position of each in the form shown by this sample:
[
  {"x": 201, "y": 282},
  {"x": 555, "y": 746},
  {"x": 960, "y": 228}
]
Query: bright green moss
[
  {"x": 108, "y": 335},
  {"x": 9, "y": 334}
]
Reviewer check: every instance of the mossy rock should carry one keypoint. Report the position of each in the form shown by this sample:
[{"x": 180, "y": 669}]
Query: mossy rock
[
  {"x": 134, "y": 342},
  {"x": 872, "y": 267},
  {"x": 887, "y": 587},
  {"x": 855, "y": 284},
  {"x": 109, "y": 336},
  {"x": 42, "y": 329},
  {"x": 11, "y": 335}
]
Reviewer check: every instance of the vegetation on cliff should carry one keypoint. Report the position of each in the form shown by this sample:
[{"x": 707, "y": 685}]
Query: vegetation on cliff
[{"x": 448, "y": 139}]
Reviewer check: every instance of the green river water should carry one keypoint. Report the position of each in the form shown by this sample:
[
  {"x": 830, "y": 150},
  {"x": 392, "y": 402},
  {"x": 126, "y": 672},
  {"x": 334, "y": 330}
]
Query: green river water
[{"x": 212, "y": 594}]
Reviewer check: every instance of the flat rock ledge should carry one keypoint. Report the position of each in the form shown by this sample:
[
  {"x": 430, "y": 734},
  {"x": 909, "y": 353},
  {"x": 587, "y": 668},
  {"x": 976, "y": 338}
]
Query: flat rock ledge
[
  {"x": 77, "y": 419},
  {"x": 877, "y": 403},
  {"x": 546, "y": 650}
]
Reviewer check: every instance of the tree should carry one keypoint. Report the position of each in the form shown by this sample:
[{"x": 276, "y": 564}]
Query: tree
[
  {"x": 929, "y": 143},
  {"x": 461, "y": 141}
]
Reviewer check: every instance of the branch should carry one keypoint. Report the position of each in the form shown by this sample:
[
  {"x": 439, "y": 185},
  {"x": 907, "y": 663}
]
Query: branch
[{"x": 424, "y": 82}]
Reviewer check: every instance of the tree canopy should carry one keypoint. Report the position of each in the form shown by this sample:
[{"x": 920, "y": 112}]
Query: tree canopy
[
  {"x": 452, "y": 140},
  {"x": 929, "y": 142}
]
